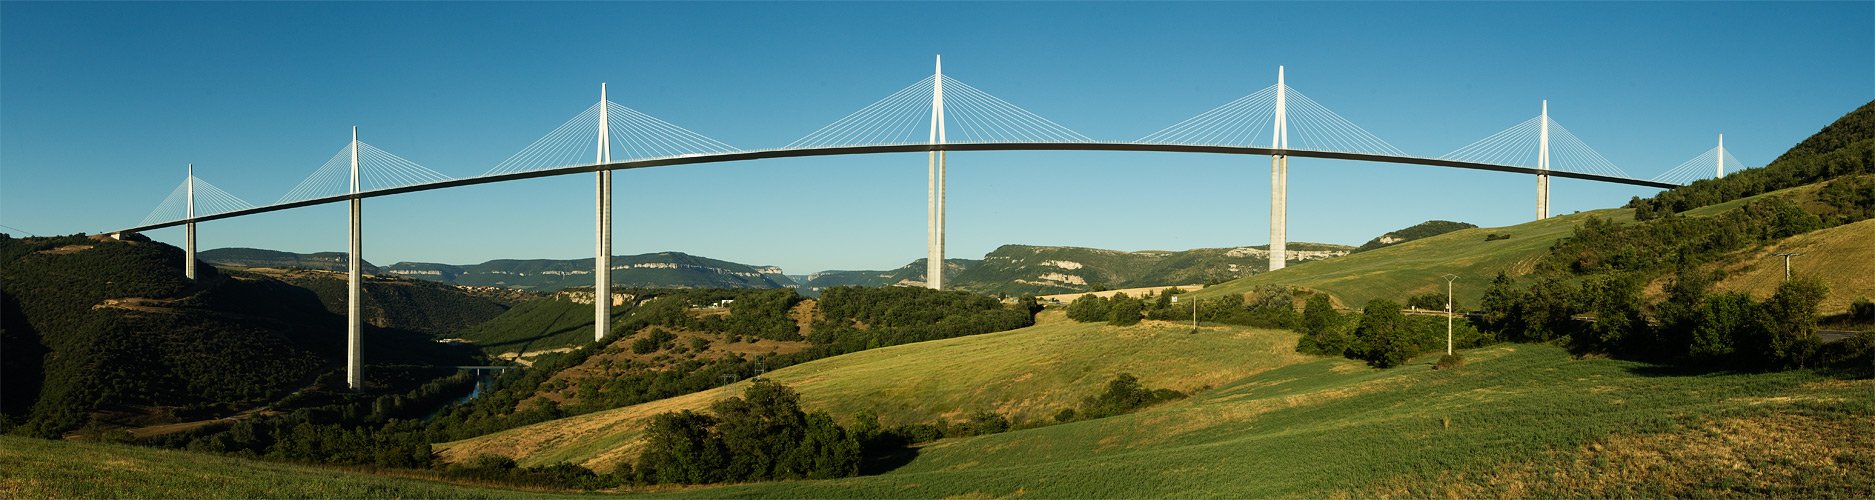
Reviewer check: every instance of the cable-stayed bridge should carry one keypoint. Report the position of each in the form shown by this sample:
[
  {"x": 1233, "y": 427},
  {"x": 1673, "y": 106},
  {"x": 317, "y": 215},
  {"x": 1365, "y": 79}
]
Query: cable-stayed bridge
[{"x": 921, "y": 117}]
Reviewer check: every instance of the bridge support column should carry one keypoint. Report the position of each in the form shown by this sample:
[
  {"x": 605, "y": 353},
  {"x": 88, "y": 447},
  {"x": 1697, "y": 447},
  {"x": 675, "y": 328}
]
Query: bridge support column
[
  {"x": 1279, "y": 178},
  {"x": 1542, "y": 164},
  {"x": 602, "y": 255},
  {"x": 1719, "y": 159},
  {"x": 188, "y": 264},
  {"x": 1279, "y": 211},
  {"x": 934, "y": 191},
  {"x": 354, "y": 310}
]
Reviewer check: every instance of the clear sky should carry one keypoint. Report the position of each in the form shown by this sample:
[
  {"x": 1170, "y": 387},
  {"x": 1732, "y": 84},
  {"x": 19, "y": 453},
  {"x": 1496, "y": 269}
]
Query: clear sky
[{"x": 103, "y": 104}]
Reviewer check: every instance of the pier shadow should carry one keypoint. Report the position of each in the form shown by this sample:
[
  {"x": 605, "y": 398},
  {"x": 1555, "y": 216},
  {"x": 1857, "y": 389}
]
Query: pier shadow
[{"x": 888, "y": 461}]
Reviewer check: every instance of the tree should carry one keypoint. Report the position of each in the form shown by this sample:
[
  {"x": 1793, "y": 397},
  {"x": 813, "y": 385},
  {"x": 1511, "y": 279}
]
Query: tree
[
  {"x": 1125, "y": 311},
  {"x": 1089, "y": 308},
  {"x": 1619, "y": 326},
  {"x": 679, "y": 448},
  {"x": 1320, "y": 332},
  {"x": 1382, "y": 339},
  {"x": 1788, "y": 338}
]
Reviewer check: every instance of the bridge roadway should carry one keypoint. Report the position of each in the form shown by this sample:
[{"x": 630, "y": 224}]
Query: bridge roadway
[{"x": 903, "y": 148}]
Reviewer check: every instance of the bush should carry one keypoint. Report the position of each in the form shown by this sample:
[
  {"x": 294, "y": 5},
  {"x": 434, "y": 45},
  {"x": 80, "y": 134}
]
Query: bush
[
  {"x": 1124, "y": 310},
  {"x": 1089, "y": 308},
  {"x": 1862, "y": 310},
  {"x": 1449, "y": 361}
]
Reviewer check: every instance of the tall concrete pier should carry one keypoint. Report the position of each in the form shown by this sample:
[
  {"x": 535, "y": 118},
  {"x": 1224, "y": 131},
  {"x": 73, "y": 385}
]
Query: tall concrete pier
[
  {"x": 602, "y": 255},
  {"x": 188, "y": 265},
  {"x": 1279, "y": 179},
  {"x": 1542, "y": 164},
  {"x": 354, "y": 310},
  {"x": 934, "y": 205}
]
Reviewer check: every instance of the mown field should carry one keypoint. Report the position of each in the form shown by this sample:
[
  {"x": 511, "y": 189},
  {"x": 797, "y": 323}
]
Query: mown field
[
  {"x": 1027, "y": 374},
  {"x": 1414, "y": 267}
]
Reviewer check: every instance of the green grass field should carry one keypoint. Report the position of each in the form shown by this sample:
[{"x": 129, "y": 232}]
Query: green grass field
[
  {"x": 1400, "y": 271},
  {"x": 1518, "y": 421},
  {"x": 1027, "y": 374},
  {"x": 36, "y": 468}
]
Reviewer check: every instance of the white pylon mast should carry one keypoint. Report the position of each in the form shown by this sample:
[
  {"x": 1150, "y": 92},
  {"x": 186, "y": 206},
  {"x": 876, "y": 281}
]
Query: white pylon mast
[
  {"x": 934, "y": 205},
  {"x": 188, "y": 266},
  {"x": 1542, "y": 165},
  {"x": 602, "y": 254},
  {"x": 354, "y": 308},
  {"x": 1279, "y": 179},
  {"x": 1719, "y": 160}
]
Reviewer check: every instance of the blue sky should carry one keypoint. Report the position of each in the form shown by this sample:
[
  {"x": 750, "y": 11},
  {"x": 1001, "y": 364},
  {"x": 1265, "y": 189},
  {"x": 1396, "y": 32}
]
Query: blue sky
[{"x": 103, "y": 104}]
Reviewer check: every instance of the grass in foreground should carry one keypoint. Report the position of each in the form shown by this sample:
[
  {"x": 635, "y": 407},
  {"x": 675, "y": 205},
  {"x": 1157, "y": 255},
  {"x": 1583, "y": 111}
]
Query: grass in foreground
[
  {"x": 36, "y": 468},
  {"x": 1518, "y": 421}
]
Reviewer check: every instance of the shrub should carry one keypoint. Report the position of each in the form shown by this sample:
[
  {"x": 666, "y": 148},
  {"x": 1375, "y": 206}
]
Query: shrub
[{"x": 1449, "y": 361}]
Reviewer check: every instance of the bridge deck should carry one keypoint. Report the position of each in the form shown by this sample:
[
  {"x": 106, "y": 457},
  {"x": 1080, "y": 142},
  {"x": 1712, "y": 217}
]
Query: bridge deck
[{"x": 905, "y": 148}]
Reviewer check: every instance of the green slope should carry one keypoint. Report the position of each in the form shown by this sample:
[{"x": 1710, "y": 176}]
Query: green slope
[
  {"x": 61, "y": 469},
  {"x": 1519, "y": 421},
  {"x": 1399, "y": 271},
  {"x": 1028, "y": 374},
  {"x": 551, "y": 322}
]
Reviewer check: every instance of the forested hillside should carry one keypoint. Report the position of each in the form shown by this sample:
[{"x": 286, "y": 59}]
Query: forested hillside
[{"x": 106, "y": 331}]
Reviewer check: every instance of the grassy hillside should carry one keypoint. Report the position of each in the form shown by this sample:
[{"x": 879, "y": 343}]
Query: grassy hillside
[
  {"x": 1028, "y": 374},
  {"x": 1841, "y": 255},
  {"x": 1023, "y": 269},
  {"x": 38, "y": 468},
  {"x": 1402, "y": 270},
  {"x": 1519, "y": 421},
  {"x": 553, "y": 322}
]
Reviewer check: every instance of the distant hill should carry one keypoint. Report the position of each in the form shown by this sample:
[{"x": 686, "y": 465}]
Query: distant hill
[
  {"x": 1024, "y": 269},
  {"x": 912, "y": 274},
  {"x": 652, "y": 270},
  {"x": 255, "y": 257},
  {"x": 1422, "y": 230}
]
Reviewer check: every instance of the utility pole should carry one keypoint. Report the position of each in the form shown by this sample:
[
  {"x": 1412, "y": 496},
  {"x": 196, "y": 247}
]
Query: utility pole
[
  {"x": 1787, "y": 257},
  {"x": 602, "y": 254},
  {"x": 934, "y": 205},
  {"x": 1448, "y": 312},
  {"x": 354, "y": 309}
]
